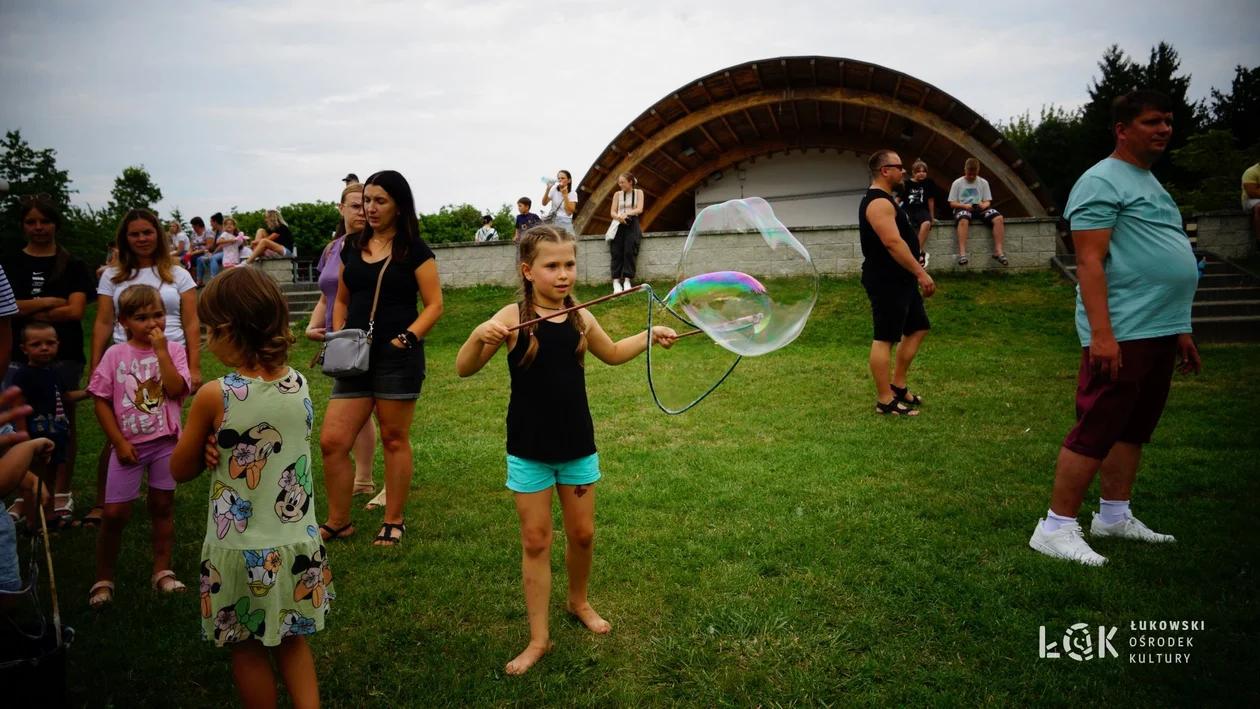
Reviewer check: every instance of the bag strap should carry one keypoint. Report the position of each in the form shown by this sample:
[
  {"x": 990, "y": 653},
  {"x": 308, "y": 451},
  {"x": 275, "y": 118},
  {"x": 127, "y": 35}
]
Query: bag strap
[{"x": 377, "y": 296}]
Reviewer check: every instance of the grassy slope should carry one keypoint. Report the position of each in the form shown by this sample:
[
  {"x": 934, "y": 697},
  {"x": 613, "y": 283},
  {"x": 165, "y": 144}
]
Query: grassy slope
[{"x": 779, "y": 545}]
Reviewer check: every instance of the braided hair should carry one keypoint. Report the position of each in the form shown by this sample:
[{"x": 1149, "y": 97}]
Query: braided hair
[{"x": 528, "y": 251}]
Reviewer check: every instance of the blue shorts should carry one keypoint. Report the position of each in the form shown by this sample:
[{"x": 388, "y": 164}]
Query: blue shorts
[
  {"x": 525, "y": 475},
  {"x": 10, "y": 577}
]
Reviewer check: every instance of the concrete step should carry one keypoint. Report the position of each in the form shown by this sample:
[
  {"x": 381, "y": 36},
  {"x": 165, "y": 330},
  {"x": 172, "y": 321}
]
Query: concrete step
[
  {"x": 1240, "y": 328},
  {"x": 303, "y": 299},
  {"x": 1218, "y": 267},
  {"x": 1227, "y": 293},
  {"x": 1225, "y": 280},
  {"x": 1223, "y": 308}
]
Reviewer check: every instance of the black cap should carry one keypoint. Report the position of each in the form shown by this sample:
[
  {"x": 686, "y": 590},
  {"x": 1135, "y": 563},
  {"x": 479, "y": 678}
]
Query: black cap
[{"x": 350, "y": 178}]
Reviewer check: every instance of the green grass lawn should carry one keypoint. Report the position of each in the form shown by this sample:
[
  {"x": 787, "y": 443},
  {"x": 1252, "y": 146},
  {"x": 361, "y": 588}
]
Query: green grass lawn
[{"x": 779, "y": 545}]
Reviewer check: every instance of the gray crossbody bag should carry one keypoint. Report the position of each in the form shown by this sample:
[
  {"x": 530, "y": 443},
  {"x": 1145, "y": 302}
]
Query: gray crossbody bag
[{"x": 347, "y": 352}]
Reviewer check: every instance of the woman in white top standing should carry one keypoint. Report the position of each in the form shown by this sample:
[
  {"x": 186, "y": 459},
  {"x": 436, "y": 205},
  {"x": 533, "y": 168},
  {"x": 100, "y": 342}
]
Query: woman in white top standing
[
  {"x": 563, "y": 199},
  {"x": 627, "y": 205},
  {"x": 144, "y": 258}
]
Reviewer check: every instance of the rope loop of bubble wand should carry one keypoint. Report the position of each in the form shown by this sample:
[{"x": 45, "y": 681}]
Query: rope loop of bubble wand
[{"x": 652, "y": 297}]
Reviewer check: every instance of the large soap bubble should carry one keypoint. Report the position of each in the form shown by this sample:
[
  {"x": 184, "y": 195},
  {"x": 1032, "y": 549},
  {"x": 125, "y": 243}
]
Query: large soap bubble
[
  {"x": 744, "y": 279},
  {"x": 746, "y": 283}
]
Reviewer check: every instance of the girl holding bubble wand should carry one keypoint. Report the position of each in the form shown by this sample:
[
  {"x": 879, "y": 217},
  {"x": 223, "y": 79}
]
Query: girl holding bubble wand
[{"x": 550, "y": 435}]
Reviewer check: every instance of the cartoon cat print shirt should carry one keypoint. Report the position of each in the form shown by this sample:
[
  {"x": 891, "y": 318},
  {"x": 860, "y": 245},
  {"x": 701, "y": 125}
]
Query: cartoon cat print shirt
[{"x": 130, "y": 380}]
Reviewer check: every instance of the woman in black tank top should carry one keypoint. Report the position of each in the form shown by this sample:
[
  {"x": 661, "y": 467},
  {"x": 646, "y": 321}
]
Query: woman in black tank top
[{"x": 550, "y": 436}]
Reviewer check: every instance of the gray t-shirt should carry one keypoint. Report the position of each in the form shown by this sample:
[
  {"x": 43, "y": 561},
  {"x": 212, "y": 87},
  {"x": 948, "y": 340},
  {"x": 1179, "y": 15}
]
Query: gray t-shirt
[{"x": 970, "y": 191}]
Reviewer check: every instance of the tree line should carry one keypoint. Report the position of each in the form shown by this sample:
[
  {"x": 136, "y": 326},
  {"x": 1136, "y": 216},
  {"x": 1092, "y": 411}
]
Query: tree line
[
  {"x": 88, "y": 229},
  {"x": 1214, "y": 140}
]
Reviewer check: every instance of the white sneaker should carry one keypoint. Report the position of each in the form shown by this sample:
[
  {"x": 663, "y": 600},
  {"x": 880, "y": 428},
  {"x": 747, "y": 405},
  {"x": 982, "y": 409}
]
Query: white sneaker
[
  {"x": 626, "y": 285},
  {"x": 1067, "y": 543},
  {"x": 616, "y": 286},
  {"x": 1131, "y": 528}
]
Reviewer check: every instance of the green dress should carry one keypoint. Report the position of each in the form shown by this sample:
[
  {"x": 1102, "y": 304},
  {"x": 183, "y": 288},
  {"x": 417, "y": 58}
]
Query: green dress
[{"x": 264, "y": 572}]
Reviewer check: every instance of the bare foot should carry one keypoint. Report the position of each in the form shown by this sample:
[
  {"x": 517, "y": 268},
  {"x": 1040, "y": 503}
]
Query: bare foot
[
  {"x": 590, "y": 618},
  {"x": 533, "y": 653}
]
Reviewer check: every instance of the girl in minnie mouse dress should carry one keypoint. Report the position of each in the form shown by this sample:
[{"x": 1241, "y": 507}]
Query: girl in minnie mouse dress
[{"x": 265, "y": 583}]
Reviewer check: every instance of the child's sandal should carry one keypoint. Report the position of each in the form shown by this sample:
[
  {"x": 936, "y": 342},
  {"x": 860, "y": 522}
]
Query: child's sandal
[
  {"x": 90, "y": 521},
  {"x": 102, "y": 594},
  {"x": 173, "y": 587}
]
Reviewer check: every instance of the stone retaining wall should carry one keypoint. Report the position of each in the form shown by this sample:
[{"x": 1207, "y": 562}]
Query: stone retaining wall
[
  {"x": 1226, "y": 234},
  {"x": 835, "y": 250}
]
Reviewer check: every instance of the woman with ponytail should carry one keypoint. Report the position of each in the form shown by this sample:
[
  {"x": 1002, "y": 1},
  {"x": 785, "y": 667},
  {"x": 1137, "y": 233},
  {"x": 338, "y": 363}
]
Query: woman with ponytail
[
  {"x": 550, "y": 435},
  {"x": 627, "y": 205}
]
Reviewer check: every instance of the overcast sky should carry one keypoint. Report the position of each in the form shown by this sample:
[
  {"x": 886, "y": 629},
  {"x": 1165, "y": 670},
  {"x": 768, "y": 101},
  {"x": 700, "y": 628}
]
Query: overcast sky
[{"x": 257, "y": 104}]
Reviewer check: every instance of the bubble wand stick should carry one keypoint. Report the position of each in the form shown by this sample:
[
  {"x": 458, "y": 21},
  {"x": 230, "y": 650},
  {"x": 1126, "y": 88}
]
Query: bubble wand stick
[{"x": 579, "y": 306}]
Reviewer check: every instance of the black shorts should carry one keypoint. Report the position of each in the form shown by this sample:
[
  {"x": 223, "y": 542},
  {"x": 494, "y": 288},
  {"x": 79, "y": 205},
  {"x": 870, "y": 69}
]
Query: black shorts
[
  {"x": 393, "y": 373},
  {"x": 985, "y": 215},
  {"x": 897, "y": 309},
  {"x": 918, "y": 214}
]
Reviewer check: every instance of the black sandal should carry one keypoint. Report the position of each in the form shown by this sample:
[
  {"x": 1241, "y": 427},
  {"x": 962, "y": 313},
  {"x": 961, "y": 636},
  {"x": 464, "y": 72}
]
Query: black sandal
[
  {"x": 90, "y": 521},
  {"x": 962, "y": 261},
  {"x": 1001, "y": 258},
  {"x": 894, "y": 408},
  {"x": 899, "y": 395},
  {"x": 337, "y": 533},
  {"x": 387, "y": 534}
]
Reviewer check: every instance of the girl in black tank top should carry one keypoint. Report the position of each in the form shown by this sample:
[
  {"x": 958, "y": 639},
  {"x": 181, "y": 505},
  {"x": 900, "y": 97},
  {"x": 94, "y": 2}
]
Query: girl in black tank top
[{"x": 550, "y": 436}]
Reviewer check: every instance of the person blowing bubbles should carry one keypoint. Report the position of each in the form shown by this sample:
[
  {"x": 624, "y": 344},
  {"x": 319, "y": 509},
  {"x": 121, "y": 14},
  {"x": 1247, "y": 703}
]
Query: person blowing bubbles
[{"x": 550, "y": 434}]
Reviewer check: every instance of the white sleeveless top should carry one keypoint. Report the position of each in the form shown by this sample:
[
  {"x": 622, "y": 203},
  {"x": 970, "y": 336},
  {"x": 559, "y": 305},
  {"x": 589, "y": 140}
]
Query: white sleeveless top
[{"x": 625, "y": 201}]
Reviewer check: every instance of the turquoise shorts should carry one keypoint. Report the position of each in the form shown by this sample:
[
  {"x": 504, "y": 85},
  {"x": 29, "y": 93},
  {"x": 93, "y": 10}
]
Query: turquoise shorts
[{"x": 525, "y": 475}]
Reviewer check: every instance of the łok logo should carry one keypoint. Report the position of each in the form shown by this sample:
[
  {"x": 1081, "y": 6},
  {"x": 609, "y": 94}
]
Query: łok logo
[{"x": 1078, "y": 643}]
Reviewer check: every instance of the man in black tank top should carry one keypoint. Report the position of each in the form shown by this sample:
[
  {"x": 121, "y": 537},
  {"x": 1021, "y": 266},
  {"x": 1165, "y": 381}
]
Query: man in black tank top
[{"x": 892, "y": 276}]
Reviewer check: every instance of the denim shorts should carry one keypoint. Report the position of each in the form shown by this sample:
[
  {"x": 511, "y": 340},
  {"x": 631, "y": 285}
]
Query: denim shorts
[
  {"x": 393, "y": 373},
  {"x": 10, "y": 576},
  {"x": 526, "y": 476}
]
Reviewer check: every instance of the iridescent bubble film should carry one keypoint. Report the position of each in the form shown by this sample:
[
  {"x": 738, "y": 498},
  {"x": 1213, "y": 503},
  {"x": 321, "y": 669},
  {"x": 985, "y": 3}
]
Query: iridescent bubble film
[
  {"x": 745, "y": 287},
  {"x": 728, "y": 242}
]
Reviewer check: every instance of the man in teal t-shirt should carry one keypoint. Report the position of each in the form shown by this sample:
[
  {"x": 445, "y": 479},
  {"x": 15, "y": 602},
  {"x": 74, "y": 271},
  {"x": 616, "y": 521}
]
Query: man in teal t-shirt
[{"x": 1137, "y": 281}]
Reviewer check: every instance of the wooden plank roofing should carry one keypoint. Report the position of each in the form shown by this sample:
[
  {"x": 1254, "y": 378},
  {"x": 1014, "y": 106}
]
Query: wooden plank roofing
[{"x": 798, "y": 103}]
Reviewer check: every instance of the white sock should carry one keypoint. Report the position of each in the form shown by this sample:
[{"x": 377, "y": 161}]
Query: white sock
[
  {"x": 616, "y": 286},
  {"x": 626, "y": 285},
  {"x": 1053, "y": 522},
  {"x": 1113, "y": 511}
]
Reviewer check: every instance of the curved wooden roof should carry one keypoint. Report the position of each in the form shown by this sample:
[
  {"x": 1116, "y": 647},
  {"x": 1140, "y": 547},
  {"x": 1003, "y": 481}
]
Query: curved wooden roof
[{"x": 798, "y": 103}]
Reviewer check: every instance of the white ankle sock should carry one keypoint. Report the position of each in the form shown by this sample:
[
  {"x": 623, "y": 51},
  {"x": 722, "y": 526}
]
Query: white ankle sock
[
  {"x": 1113, "y": 511},
  {"x": 626, "y": 285},
  {"x": 1053, "y": 522},
  {"x": 616, "y": 286}
]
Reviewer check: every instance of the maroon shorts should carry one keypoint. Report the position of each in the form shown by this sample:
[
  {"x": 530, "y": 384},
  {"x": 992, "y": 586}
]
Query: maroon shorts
[{"x": 1125, "y": 410}]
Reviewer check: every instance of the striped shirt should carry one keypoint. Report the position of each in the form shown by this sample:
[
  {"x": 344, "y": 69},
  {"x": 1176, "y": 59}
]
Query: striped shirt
[{"x": 8, "y": 304}]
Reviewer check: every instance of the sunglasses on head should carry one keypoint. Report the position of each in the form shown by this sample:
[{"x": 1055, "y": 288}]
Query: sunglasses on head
[{"x": 28, "y": 198}]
